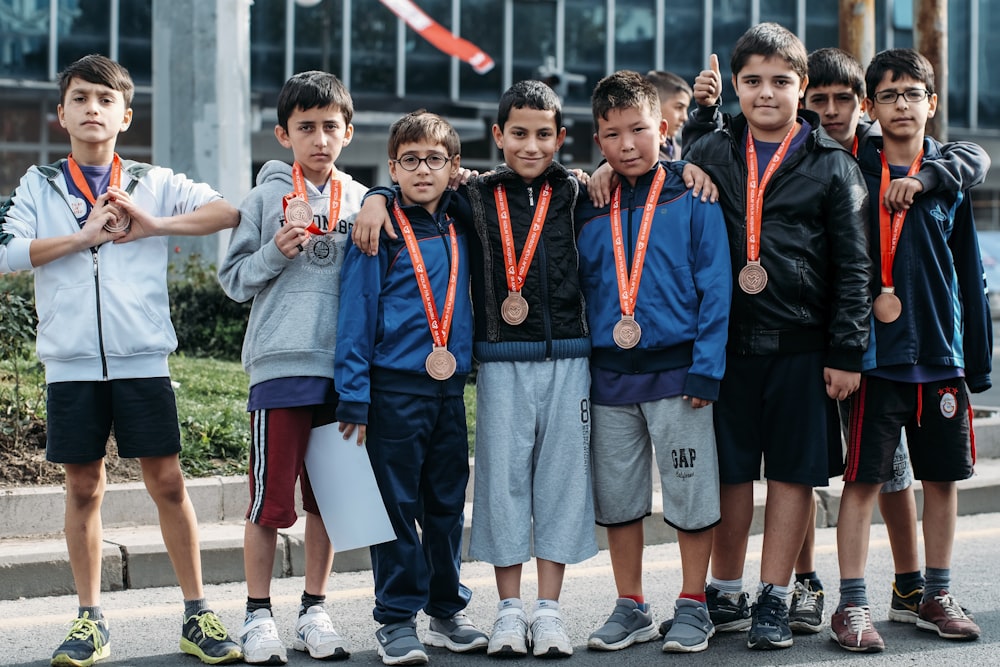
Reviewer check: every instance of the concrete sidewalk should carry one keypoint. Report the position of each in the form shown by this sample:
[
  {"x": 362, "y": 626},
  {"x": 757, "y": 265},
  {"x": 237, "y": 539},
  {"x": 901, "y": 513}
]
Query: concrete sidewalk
[{"x": 34, "y": 562}]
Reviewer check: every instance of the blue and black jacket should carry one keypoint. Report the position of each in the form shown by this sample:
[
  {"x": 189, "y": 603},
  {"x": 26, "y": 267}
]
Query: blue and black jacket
[
  {"x": 938, "y": 277},
  {"x": 383, "y": 338},
  {"x": 685, "y": 292}
]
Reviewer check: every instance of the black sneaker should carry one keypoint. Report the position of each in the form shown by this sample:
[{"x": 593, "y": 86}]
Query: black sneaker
[
  {"x": 805, "y": 614},
  {"x": 204, "y": 636},
  {"x": 727, "y": 614},
  {"x": 903, "y": 608},
  {"x": 769, "y": 622},
  {"x": 86, "y": 643}
]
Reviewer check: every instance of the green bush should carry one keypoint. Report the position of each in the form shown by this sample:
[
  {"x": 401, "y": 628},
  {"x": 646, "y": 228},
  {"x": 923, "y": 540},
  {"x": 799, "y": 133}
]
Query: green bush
[{"x": 208, "y": 323}]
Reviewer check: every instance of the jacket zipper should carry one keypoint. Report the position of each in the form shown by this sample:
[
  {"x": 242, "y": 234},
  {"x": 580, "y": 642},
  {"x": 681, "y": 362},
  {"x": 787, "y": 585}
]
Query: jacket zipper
[
  {"x": 543, "y": 283},
  {"x": 100, "y": 329}
]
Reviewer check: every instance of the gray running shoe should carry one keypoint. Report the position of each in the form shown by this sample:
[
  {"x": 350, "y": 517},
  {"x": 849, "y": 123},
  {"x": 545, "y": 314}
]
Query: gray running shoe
[
  {"x": 457, "y": 634},
  {"x": 627, "y": 625},
  {"x": 691, "y": 629},
  {"x": 398, "y": 644}
]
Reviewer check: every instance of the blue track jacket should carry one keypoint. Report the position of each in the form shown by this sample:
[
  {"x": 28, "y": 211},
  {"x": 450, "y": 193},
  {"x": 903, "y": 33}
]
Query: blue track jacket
[
  {"x": 938, "y": 276},
  {"x": 383, "y": 337},
  {"x": 685, "y": 291}
]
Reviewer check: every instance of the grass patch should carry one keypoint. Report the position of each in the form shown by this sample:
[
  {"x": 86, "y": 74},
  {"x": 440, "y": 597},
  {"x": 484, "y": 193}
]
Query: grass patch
[{"x": 211, "y": 406}]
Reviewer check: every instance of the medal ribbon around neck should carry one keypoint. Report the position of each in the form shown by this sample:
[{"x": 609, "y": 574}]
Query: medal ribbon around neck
[
  {"x": 517, "y": 269},
  {"x": 628, "y": 285},
  {"x": 81, "y": 181},
  {"x": 755, "y": 190},
  {"x": 299, "y": 192},
  {"x": 891, "y": 224},
  {"x": 439, "y": 328},
  {"x": 115, "y": 181}
]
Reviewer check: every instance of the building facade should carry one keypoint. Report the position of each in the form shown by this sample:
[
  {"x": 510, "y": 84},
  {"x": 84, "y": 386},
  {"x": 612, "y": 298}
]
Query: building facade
[{"x": 390, "y": 69}]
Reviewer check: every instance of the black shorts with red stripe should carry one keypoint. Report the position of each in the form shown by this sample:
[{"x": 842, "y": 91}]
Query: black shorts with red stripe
[{"x": 937, "y": 417}]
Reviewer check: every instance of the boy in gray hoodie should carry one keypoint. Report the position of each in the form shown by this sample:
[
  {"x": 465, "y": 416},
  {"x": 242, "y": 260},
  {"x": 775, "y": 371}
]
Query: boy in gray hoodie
[{"x": 286, "y": 255}]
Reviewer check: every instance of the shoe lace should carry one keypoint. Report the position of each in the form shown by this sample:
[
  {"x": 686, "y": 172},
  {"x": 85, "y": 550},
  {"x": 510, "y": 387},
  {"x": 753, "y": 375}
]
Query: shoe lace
[
  {"x": 211, "y": 626},
  {"x": 84, "y": 629},
  {"x": 548, "y": 626},
  {"x": 950, "y": 606},
  {"x": 859, "y": 619},
  {"x": 770, "y": 608},
  {"x": 510, "y": 623},
  {"x": 806, "y": 599}
]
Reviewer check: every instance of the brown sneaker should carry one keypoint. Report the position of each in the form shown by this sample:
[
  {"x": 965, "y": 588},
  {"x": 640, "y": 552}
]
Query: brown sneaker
[
  {"x": 852, "y": 628},
  {"x": 943, "y": 615}
]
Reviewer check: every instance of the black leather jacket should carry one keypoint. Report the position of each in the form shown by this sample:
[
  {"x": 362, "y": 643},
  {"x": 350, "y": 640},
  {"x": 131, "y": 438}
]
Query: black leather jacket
[{"x": 813, "y": 242}]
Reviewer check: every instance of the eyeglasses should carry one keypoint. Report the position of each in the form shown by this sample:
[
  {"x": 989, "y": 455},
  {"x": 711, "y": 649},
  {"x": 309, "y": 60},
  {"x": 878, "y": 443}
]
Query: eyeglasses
[
  {"x": 911, "y": 95},
  {"x": 434, "y": 162}
]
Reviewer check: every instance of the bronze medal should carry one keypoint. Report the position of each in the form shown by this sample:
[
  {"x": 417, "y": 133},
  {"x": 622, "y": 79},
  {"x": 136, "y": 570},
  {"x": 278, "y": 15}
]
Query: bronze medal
[
  {"x": 627, "y": 332},
  {"x": 119, "y": 225},
  {"x": 887, "y": 306},
  {"x": 440, "y": 363},
  {"x": 298, "y": 211},
  {"x": 753, "y": 278},
  {"x": 514, "y": 309}
]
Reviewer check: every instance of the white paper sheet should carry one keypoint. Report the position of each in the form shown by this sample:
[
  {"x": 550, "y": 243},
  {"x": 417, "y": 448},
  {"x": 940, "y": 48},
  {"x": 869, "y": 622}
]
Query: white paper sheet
[{"x": 346, "y": 491}]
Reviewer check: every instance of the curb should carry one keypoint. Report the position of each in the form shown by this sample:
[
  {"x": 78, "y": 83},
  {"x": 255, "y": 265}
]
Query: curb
[{"x": 36, "y": 564}]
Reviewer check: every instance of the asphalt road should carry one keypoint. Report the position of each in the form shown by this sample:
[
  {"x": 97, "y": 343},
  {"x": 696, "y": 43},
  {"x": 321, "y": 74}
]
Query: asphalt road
[{"x": 145, "y": 624}]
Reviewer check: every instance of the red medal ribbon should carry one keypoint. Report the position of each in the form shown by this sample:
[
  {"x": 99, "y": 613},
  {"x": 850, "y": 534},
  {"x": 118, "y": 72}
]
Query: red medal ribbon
[
  {"x": 628, "y": 285},
  {"x": 80, "y": 181},
  {"x": 755, "y": 191},
  {"x": 516, "y": 274},
  {"x": 891, "y": 224},
  {"x": 299, "y": 185},
  {"x": 439, "y": 329}
]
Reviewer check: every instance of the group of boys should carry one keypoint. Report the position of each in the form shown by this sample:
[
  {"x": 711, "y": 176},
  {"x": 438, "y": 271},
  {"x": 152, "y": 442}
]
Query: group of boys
[{"x": 757, "y": 314}]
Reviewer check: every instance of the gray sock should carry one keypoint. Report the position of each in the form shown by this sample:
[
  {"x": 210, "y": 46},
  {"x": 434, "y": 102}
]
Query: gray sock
[
  {"x": 853, "y": 591},
  {"x": 194, "y": 607},
  {"x": 937, "y": 579},
  {"x": 93, "y": 613}
]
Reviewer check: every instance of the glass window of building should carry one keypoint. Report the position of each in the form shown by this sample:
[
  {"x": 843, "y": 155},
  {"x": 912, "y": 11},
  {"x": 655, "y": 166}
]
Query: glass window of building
[
  {"x": 586, "y": 37},
  {"x": 428, "y": 70},
  {"x": 267, "y": 47},
  {"x": 373, "y": 48},
  {"x": 635, "y": 35},
  {"x": 479, "y": 24},
  {"x": 989, "y": 76},
  {"x": 135, "y": 39},
  {"x": 24, "y": 39},
  {"x": 534, "y": 37},
  {"x": 730, "y": 19},
  {"x": 319, "y": 35},
  {"x": 782, "y": 12},
  {"x": 822, "y": 24},
  {"x": 683, "y": 43},
  {"x": 83, "y": 29},
  {"x": 958, "y": 66}
]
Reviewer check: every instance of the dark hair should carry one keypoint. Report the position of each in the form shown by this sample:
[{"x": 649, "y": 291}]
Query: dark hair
[
  {"x": 766, "y": 40},
  {"x": 313, "y": 90},
  {"x": 421, "y": 125},
  {"x": 834, "y": 67},
  {"x": 624, "y": 89},
  {"x": 100, "y": 70},
  {"x": 529, "y": 94},
  {"x": 901, "y": 62},
  {"x": 667, "y": 84}
]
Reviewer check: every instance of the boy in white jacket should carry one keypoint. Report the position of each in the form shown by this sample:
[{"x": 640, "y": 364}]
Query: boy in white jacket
[{"x": 93, "y": 227}]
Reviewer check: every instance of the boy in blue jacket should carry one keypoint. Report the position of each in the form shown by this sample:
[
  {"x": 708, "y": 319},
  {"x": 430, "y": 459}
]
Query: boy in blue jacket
[
  {"x": 654, "y": 270},
  {"x": 931, "y": 343},
  {"x": 403, "y": 353}
]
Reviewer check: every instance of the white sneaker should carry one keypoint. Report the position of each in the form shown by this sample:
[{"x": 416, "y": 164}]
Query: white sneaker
[
  {"x": 314, "y": 633},
  {"x": 548, "y": 634},
  {"x": 510, "y": 631},
  {"x": 261, "y": 644}
]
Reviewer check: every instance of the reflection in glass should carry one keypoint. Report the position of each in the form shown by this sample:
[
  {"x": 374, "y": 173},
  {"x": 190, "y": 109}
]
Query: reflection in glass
[
  {"x": 373, "y": 48},
  {"x": 319, "y": 33},
  {"x": 83, "y": 29},
  {"x": 24, "y": 39},
  {"x": 480, "y": 24}
]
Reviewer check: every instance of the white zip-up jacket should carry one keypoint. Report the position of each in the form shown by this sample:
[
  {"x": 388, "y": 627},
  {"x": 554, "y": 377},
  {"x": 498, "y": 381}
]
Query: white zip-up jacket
[{"x": 103, "y": 313}]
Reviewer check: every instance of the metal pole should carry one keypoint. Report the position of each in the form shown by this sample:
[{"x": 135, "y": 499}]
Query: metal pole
[
  {"x": 930, "y": 37},
  {"x": 857, "y": 29}
]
